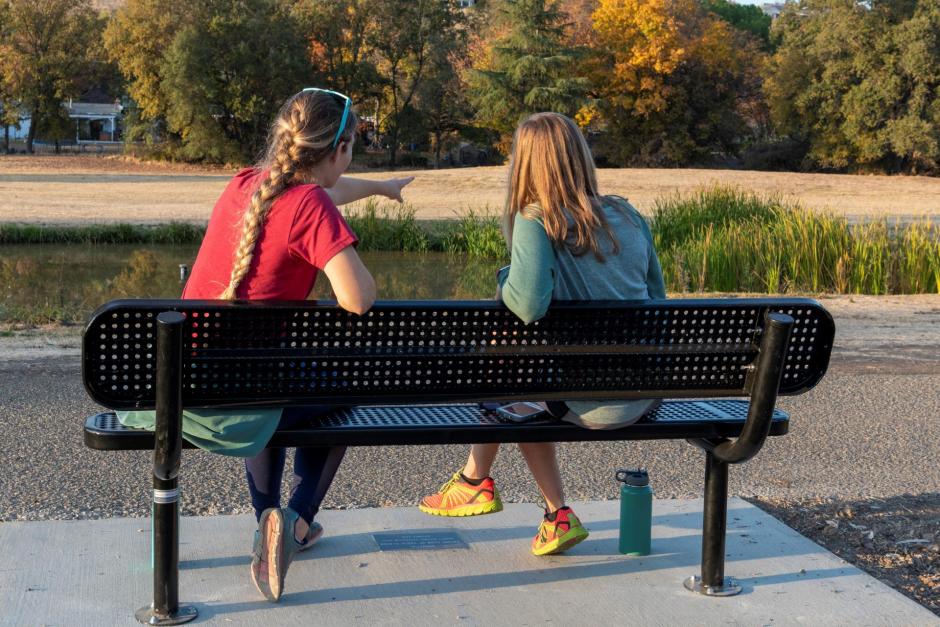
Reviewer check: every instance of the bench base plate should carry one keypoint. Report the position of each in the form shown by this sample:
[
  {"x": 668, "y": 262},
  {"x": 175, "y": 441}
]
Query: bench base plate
[
  {"x": 184, "y": 614},
  {"x": 728, "y": 588}
]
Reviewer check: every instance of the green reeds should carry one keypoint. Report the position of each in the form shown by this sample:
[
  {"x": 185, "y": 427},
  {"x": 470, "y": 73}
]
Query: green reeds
[
  {"x": 727, "y": 240},
  {"x": 477, "y": 235},
  {"x": 715, "y": 239},
  {"x": 387, "y": 227},
  {"x": 174, "y": 233}
]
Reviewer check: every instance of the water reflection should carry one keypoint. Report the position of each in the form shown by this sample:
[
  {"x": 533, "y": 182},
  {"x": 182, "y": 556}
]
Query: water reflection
[{"x": 42, "y": 283}]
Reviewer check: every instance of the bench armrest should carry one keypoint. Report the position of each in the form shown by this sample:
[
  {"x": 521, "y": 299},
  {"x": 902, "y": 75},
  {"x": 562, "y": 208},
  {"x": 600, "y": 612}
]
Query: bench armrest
[{"x": 763, "y": 385}]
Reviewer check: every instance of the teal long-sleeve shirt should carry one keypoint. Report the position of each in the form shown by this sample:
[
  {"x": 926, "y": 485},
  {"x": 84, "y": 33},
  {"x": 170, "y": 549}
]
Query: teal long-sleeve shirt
[{"x": 540, "y": 273}]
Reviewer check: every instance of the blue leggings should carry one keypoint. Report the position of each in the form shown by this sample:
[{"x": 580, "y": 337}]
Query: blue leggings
[{"x": 314, "y": 469}]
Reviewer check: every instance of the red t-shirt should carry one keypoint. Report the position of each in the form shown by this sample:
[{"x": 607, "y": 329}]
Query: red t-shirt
[{"x": 302, "y": 232}]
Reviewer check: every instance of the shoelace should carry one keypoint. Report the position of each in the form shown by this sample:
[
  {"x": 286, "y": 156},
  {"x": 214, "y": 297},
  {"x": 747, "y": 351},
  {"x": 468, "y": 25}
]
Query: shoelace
[{"x": 453, "y": 480}]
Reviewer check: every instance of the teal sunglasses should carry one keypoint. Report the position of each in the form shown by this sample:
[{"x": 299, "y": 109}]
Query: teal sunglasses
[{"x": 342, "y": 122}]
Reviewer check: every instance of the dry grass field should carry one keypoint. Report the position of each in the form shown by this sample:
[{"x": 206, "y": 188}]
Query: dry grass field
[{"x": 82, "y": 189}]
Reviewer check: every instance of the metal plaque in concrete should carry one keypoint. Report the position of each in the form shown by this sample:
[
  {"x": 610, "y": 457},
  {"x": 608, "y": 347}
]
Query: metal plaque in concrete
[{"x": 419, "y": 540}]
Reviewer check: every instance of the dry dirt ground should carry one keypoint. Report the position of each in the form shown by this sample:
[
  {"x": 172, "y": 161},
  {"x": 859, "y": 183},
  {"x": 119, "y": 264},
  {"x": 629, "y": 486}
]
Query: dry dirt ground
[
  {"x": 896, "y": 539},
  {"x": 78, "y": 189}
]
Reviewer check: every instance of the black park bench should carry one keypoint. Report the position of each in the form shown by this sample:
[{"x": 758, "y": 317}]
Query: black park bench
[{"x": 415, "y": 370}]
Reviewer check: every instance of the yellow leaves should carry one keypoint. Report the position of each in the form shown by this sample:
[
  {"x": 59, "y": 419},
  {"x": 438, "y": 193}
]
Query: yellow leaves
[
  {"x": 586, "y": 115},
  {"x": 650, "y": 40},
  {"x": 647, "y": 34},
  {"x": 716, "y": 47}
]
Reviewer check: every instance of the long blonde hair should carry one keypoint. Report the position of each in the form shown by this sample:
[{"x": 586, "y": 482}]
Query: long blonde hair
[
  {"x": 552, "y": 176},
  {"x": 301, "y": 137}
]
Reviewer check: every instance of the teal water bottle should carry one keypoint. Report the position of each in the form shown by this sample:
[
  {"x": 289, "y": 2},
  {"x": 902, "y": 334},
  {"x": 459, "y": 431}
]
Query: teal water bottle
[{"x": 636, "y": 511}]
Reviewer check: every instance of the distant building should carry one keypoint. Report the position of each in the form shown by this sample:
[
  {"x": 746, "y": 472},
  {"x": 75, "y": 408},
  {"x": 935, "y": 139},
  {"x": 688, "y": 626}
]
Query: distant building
[
  {"x": 772, "y": 9},
  {"x": 94, "y": 122},
  {"x": 466, "y": 4}
]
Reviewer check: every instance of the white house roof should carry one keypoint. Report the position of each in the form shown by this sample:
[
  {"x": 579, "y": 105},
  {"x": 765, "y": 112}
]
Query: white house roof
[{"x": 106, "y": 110}]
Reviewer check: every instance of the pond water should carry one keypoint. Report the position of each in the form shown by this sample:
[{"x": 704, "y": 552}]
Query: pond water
[{"x": 42, "y": 283}]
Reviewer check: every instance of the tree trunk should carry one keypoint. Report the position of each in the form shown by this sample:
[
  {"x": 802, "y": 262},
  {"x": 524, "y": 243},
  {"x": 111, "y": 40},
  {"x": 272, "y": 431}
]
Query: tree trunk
[
  {"x": 393, "y": 148},
  {"x": 31, "y": 134},
  {"x": 437, "y": 150},
  {"x": 6, "y": 138}
]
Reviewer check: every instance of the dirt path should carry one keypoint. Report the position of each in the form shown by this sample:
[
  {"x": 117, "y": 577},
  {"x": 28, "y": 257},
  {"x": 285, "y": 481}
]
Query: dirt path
[{"x": 48, "y": 189}]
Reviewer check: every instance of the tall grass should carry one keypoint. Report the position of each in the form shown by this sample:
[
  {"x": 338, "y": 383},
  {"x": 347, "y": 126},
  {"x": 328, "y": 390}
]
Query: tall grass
[
  {"x": 477, "y": 235},
  {"x": 176, "y": 233},
  {"x": 715, "y": 239},
  {"x": 387, "y": 227},
  {"x": 724, "y": 239}
]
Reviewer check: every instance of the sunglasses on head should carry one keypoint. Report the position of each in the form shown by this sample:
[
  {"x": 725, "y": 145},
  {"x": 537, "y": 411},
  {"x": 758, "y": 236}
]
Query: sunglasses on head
[{"x": 342, "y": 122}]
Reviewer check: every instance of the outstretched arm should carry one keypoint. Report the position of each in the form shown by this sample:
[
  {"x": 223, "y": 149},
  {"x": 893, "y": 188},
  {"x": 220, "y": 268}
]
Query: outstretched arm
[{"x": 348, "y": 189}]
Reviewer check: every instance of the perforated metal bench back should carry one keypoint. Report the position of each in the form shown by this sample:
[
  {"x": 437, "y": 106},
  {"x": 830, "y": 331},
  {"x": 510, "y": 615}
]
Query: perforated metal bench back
[{"x": 439, "y": 351}]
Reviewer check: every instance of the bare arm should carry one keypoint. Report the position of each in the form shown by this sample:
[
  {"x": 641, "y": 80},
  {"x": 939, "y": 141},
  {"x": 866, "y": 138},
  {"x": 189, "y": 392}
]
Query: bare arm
[
  {"x": 348, "y": 189},
  {"x": 353, "y": 285}
]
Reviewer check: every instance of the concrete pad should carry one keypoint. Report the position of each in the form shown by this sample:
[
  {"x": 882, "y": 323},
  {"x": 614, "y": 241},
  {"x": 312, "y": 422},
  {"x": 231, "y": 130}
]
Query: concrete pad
[{"x": 98, "y": 573}]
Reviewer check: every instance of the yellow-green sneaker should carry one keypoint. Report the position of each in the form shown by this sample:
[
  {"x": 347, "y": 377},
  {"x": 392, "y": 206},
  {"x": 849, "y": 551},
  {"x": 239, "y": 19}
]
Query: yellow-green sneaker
[
  {"x": 560, "y": 534},
  {"x": 457, "y": 497}
]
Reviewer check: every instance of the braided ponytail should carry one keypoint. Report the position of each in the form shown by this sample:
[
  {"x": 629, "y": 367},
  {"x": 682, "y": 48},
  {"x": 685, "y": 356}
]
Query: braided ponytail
[{"x": 301, "y": 137}]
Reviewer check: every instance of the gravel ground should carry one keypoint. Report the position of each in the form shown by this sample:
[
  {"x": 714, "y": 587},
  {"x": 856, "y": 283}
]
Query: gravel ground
[
  {"x": 867, "y": 431},
  {"x": 884, "y": 429},
  {"x": 862, "y": 450}
]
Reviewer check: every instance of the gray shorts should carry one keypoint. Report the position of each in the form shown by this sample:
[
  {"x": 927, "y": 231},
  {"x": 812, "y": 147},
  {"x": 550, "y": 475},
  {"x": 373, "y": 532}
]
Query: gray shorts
[{"x": 609, "y": 414}]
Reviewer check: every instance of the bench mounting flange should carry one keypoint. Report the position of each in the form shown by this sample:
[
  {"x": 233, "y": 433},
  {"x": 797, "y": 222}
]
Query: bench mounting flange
[{"x": 729, "y": 587}]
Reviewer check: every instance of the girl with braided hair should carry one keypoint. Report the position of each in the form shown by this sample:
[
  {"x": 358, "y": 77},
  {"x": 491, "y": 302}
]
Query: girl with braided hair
[{"x": 275, "y": 227}]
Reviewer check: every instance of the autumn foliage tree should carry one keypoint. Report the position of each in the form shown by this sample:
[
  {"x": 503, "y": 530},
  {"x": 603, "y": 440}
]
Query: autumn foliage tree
[
  {"x": 671, "y": 75},
  {"x": 338, "y": 36},
  {"x": 51, "y": 52},
  {"x": 210, "y": 74}
]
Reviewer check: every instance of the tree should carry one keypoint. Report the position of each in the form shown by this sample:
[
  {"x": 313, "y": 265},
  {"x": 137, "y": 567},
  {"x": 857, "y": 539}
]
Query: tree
[
  {"x": 859, "y": 84},
  {"x": 671, "y": 81},
  {"x": 137, "y": 37},
  {"x": 913, "y": 133},
  {"x": 52, "y": 53},
  {"x": 338, "y": 35},
  {"x": 224, "y": 80},
  {"x": 527, "y": 67},
  {"x": 9, "y": 111},
  {"x": 404, "y": 40},
  {"x": 212, "y": 73},
  {"x": 746, "y": 17},
  {"x": 442, "y": 99}
]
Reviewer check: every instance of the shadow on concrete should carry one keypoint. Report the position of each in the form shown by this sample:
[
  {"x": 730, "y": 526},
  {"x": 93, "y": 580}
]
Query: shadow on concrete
[
  {"x": 363, "y": 543},
  {"x": 509, "y": 579}
]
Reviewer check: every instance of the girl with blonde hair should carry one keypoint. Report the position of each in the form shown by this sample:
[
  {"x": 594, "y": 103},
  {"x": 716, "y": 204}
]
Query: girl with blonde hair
[
  {"x": 273, "y": 230},
  {"x": 567, "y": 242}
]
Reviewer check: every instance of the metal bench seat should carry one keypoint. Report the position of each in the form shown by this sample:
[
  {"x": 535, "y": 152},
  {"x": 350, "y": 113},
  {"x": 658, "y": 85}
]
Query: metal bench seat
[
  {"x": 464, "y": 424},
  {"x": 404, "y": 372}
]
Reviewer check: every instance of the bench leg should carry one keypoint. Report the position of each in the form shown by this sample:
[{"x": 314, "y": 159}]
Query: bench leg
[
  {"x": 713, "y": 581},
  {"x": 165, "y": 609}
]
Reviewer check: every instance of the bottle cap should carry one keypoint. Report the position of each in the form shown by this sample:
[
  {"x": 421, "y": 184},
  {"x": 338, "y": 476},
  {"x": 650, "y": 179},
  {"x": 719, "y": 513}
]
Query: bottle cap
[{"x": 637, "y": 477}]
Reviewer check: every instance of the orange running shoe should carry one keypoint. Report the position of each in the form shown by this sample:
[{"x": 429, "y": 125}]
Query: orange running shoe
[
  {"x": 459, "y": 498},
  {"x": 558, "y": 535}
]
